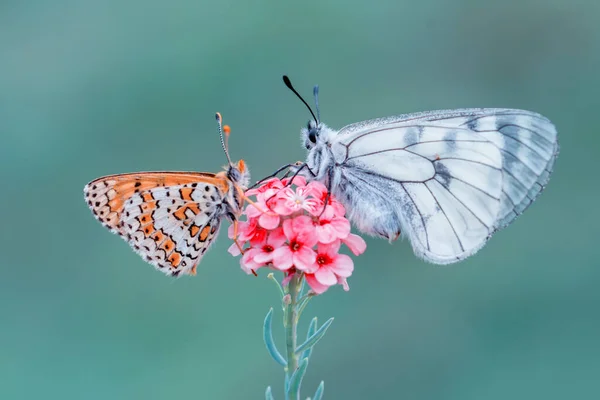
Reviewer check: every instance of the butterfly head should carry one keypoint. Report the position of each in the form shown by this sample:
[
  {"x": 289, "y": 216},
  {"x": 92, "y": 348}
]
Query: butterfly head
[
  {"x": 314, "y": 128},
  {"x": 311, "y": 133},
  {"x": 238, "y": 173}
]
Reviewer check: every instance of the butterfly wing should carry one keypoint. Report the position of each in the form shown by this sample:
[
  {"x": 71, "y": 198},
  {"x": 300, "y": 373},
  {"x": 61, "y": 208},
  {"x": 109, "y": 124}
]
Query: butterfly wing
[
  {"x": 168, "y": 218},
  {"x": 449, "y": 179}
]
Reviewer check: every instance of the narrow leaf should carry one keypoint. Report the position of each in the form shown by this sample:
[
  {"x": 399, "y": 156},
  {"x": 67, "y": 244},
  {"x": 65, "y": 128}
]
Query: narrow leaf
[
  {"x": 296, "y": 379},
  {"x": 268, "y": 338},
  {"x": 312, "y": 328},
  {"x": 313, "y": 339},
  {"x": 319, "y": 392},
  {"x": 268, "y": 394},
  {"x": 302, "y": 303},
  {"x": 272, "y": 277}
]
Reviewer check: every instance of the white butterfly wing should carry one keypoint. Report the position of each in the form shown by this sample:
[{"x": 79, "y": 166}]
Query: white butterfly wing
[{"x": 454, "y": 177}]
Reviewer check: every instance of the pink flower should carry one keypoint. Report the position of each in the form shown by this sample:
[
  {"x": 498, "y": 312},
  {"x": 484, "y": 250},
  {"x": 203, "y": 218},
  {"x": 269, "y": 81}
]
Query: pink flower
[
  {"x": 330, "y": 227},
  {"x": 289, "y": 201},
  {"x": 249, "y": 231},
  {"x": 289, "y": 228},
  {"x": 275, "y": 240},
  {"x": 300, "y": 233},
  {"x": 267, "y": 218},
  {"x": 261, "y": 253},
  {"x": 332, "y": 267},
  {"x": 270, "y": 185},
  {"x": 248, "y": 264}
]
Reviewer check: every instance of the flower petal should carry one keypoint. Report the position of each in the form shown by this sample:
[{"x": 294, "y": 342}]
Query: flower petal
[
  {"x": 305, "y": 259},
  {"x": 247, "y": 261},
  {"x": 342, "y": 265},
  {"x": 264, "y": 257},
  {"x": 245, "y": 229},
  {"x": 314, "y": 284},
  {"x": 302, "y": 223},
  {"x": 355, "y": 243},
  {"x": 259, "y": 237},
  {"x": 341, "y": 227},
  {"x": 329, "y": 249},
  {"x": 255, "y": 210},
  {"x": 325, "y": 234},
  {"x": 288, "y": 230},
  {"x": 344, "y": 283},
  {"x": 317, "y": 190},
  {"x": 276, "y": 238},
  {"x": 234, "y": 250},
  {"x": 326, "y": 276},
  {"x": 273, "y": 183},
  {"x": 305, "y": 230},
  {"x": 283, "y": 201},
  {"x": 269, "y": 220},
  {"x": 282, "y": 258},
  {"x": 337, "y": 207}
]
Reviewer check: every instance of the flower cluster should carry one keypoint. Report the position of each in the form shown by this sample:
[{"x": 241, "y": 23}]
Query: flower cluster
[{"x": 291, "y": 229}]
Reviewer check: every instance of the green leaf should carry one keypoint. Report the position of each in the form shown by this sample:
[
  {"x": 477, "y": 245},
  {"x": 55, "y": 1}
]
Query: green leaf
[
  {"x": 319, "y": 392},
  {"x": 312, "y": 328},
  {"x": 313, "y": 339},
  {"x": 279, "y": 288},
  {"x": 268, "y": 394},
  {"x": 268, "y": 338},
  {"x": 296, "y": 379}
]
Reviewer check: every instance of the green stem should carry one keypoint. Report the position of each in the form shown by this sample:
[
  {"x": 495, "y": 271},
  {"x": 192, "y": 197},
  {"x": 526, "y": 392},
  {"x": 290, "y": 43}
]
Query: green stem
[{"x": 290, "y": 324}]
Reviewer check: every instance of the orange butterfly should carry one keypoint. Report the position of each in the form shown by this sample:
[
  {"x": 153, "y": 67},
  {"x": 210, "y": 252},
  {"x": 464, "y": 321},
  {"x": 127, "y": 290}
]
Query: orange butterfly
[{"x": 170, "y": 218}]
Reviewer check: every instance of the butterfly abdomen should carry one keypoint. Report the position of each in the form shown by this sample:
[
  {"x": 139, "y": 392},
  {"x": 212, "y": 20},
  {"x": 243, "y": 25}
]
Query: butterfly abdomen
[{"x": 370, "y": 208}]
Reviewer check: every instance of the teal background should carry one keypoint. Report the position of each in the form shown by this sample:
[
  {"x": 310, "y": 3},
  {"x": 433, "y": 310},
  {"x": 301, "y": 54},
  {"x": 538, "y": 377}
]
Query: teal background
[{"x": 90, "y": 88}]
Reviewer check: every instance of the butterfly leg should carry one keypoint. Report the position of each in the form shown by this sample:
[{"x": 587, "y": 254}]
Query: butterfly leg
[
  {"x": 274, "y": 174},
  {"x": 235, "y": 236},
  {"x": 301, "y": 166},
  {"x": 245, "y": 198},
  {"x": 250, "y": 201},
  {"x": 328, "y": 196},
  {"x": 289, "y": 171}
]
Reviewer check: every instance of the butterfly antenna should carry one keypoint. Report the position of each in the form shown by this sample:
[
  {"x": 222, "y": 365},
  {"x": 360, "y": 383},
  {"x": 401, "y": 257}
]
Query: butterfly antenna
[
  {"x": 222, "y": 129},
  {"x": 288, "y": 83},
  {"x": 316, "y": 95}
]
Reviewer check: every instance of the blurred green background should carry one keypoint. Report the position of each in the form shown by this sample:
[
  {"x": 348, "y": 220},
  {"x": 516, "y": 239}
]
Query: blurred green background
[{"x": 90, "y": 88}]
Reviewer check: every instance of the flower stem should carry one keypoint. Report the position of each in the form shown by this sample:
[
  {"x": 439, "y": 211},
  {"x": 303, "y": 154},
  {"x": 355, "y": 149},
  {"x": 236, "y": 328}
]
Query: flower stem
[{"x": 290, "y": 323}]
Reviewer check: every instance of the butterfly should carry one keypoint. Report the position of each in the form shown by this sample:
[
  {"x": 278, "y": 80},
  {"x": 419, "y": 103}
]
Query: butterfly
[
  {"x": 447, "y": 180},
  {"x": 170, "y": 218}
]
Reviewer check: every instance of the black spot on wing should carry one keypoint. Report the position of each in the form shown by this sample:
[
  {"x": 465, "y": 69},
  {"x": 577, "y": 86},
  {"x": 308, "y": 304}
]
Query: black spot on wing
[
  {"x": 413, "y": 135},
  {"x": 450, "y": 140},
  {"x": 442, "y": 174},
  {"x": 472, "y": 125}
]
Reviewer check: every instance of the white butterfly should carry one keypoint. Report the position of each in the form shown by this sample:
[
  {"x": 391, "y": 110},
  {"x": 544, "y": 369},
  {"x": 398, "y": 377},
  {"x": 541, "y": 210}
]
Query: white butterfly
[{"x": 446, "y": 179}]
